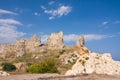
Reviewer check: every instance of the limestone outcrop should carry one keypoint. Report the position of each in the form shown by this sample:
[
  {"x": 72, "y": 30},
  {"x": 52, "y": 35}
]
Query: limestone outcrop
[
  {"x": 3, "y": 73},
  {"x": 95, "y": 63},
  {"x": 70, "y": 57},
  {"x": 21, "y": 66},
  {"x": 55, "y": 41}
]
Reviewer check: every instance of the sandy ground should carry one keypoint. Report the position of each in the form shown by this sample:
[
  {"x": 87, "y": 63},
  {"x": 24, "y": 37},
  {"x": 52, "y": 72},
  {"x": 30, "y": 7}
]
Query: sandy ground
[{"x": 59, "y": 77}]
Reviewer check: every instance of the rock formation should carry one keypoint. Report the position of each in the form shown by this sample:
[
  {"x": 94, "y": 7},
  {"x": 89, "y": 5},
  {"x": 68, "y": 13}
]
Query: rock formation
[
  {"x": 95, "y": 63},
  {"x": 7, "y": 51},
  {"x": 80, "y": 42},
  {"x": 3, "y": 73},
  {"x": 55, "y": 41},
  {"x": 21, "y": 66}
]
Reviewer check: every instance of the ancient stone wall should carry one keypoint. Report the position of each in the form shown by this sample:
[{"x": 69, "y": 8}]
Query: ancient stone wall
[
  {"x": 32, "y": 42},
  {"x": 55, "y": 41}
]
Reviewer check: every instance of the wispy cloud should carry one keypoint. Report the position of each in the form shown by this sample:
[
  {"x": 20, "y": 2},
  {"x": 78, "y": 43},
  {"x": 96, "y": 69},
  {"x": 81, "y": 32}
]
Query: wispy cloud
[
  {"x": 43, "y": 7},
  {"x": 2, "y": 11},
  {"x": 90, "y": 37},
  {"x": 51, "y": 2},
  {"x": 8, "y": 30},
  {"x": 61, "y": 11},
  {"x": 37, "y": 14},
  {"x": 9, "y": 22},
  {"x": 105, "y": 23},
  {"x": 8, "y": 34},
  {"x": 72, "y": 37},
  {"x": 29, "y": 25},
  {"x": 44, "y": 38},
  {"x": 116, "y": 22}
]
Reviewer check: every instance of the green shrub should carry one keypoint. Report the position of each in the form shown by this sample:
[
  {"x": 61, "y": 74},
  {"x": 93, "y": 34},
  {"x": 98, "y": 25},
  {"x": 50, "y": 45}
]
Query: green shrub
[
  {"x": 46, "y": 66},
  {"x": 61, "y": 52},
  {"x": 8, "y": 66}
]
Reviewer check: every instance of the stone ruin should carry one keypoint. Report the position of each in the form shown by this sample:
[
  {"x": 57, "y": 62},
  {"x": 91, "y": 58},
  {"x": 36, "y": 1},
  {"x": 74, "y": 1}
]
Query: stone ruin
[
  {"x": 80, "y": 42},
  {"x": 32, "y": 42},
  {"x": 55, "y": 41}
]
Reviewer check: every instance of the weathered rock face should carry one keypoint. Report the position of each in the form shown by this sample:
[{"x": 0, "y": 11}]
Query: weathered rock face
[
  {"x": 67, "y": 58},
  {"x": 7, "y": 51},
  {"x": 32, "y": 42},
  {"x": 55, "y": 41},
  {"x": 21, "y": 67},
  {"x": 20, "y": 47},
  {"x": 95, "y": 63},
  {"x": 80, "y": 42}
]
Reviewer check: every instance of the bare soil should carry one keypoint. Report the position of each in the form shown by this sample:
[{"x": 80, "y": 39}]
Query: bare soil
[{"x": 60, "y": 77}]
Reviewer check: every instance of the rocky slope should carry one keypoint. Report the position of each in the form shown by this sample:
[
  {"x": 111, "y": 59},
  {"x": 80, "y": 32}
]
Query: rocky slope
[{"x": 95, "y": 63}]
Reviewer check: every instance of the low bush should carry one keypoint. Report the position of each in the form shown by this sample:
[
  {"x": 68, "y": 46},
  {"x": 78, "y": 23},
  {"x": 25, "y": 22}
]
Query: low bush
[
  {"x": 46, "y": 66},
  {"x": 8, "y": 67}
]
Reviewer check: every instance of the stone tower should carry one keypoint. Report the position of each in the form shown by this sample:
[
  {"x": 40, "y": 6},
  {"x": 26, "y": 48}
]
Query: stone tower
[
  {"x": 55, "y": 41},
  {"x": 80, "y": 42}
]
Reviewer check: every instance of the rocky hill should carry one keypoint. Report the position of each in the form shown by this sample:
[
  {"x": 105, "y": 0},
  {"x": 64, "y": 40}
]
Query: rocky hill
[{"x": 76, "y": 59}]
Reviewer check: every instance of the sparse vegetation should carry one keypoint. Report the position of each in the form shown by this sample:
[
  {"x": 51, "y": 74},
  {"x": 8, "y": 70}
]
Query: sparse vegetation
[
  {"x": 61, "y": 52},
  {"x": 83, "y": 62},
  {"x": 86, "y": 58},
  {"x": 46, "y": 66},
  {"x": 8, "y": 67}
]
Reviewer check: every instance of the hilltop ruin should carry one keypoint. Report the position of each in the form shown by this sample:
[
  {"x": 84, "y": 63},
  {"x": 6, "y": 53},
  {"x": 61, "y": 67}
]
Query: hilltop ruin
[
  {"x": 33, "y": 44},
  {"x": 82, "y": 59}
]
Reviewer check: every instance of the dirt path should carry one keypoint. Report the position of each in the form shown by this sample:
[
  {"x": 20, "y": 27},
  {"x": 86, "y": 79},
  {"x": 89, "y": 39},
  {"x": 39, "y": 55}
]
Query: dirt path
[{"x": 59, "y": 77}]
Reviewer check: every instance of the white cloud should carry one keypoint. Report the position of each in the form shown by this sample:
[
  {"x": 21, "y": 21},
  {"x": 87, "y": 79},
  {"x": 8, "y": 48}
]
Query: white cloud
[
  {"x": 90, "y": 37},
  {"x": 62, "y": 10},
  {"x": 105, "y": 23},
  {"x": 116, "y": 22},
  {"x": 72, "y": 37},
  {"x": 8, "y": 34},
  {"x": 7, "y": 12},
  {"x": 44, "y": 38},
  {"x": 50, "y": 18},
  {"x": 8, "y": 30},
  {"x": 9, "y": 22},
  {"x": 51, "y": 3},
  {"x": 43, "y": 7},
  {"x": 37, "y": 14}
]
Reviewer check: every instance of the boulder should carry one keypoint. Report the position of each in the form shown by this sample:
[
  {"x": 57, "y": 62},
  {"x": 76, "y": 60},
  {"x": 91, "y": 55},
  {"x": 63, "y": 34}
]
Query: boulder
[
  {"x": 3, "y": 73},
  {"x": 95, "y": 63},
  {"x": 21, "y": 66}
]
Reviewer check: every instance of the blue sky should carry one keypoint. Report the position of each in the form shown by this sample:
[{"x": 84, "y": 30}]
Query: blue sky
[{"x": 98, "y": 20}]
